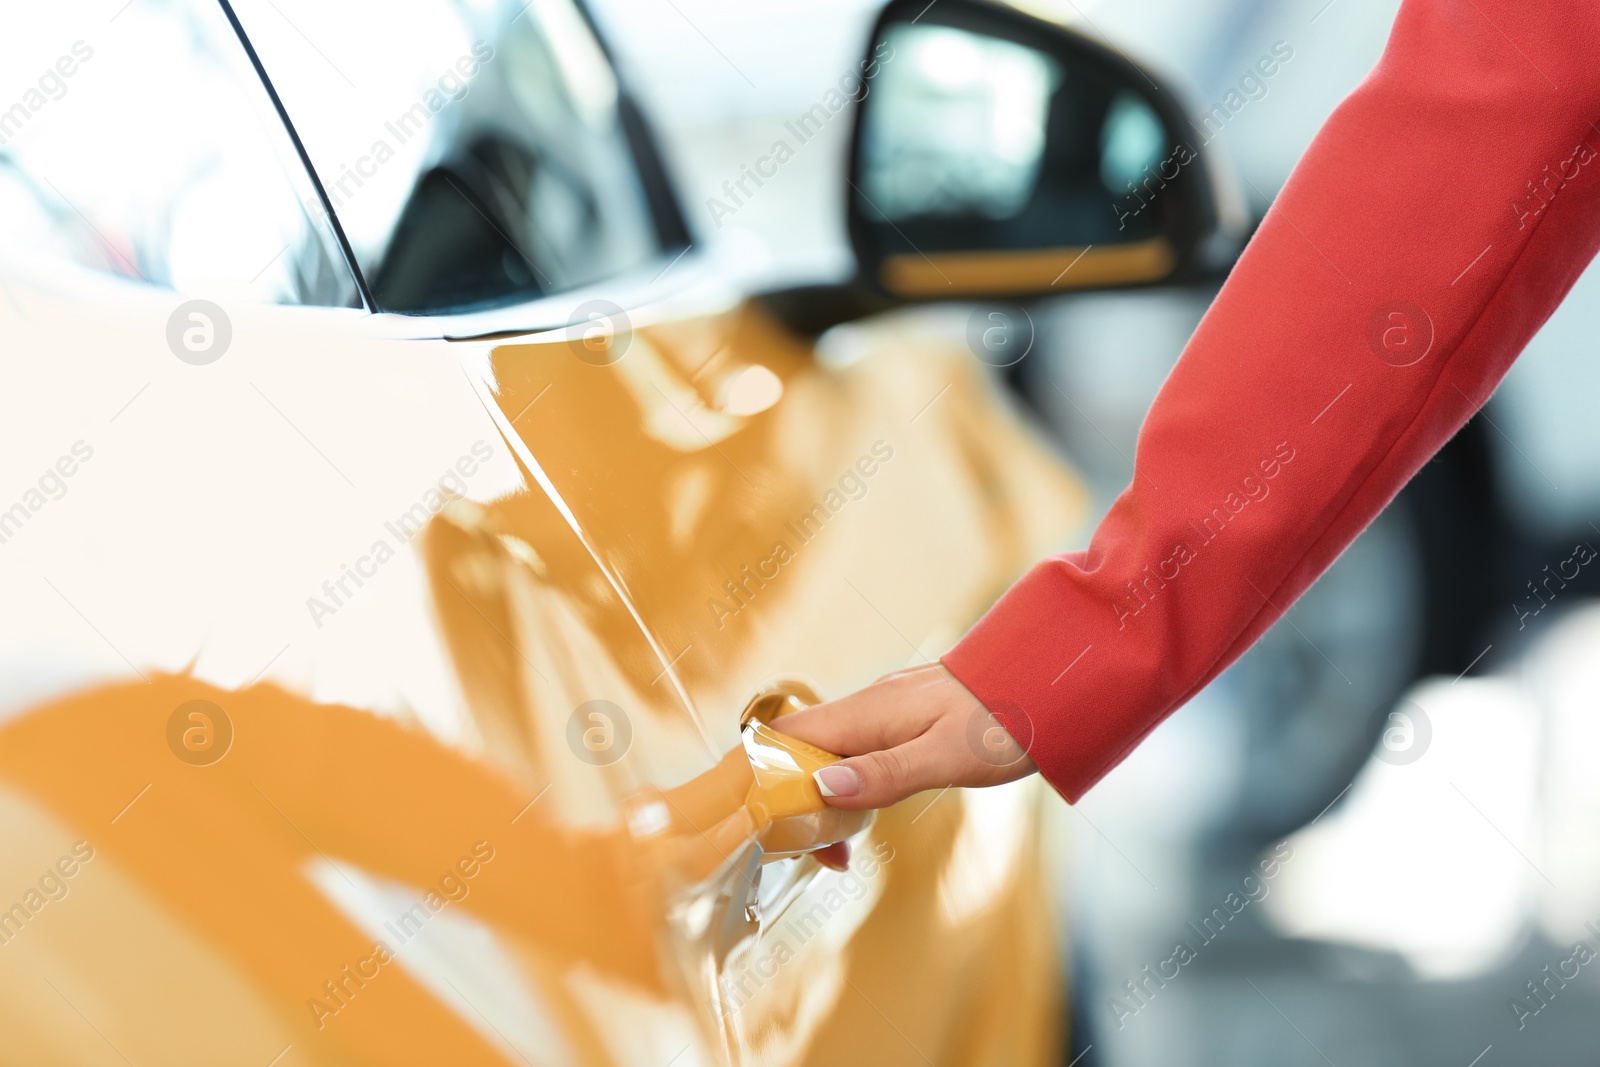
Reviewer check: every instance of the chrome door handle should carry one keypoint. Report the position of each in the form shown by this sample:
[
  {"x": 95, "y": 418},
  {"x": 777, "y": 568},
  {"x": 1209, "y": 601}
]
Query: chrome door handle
[
  {"x": 711, "y": 835},
  {"x": 789, "y": 815},
  {"x": 759, "y": 793}
]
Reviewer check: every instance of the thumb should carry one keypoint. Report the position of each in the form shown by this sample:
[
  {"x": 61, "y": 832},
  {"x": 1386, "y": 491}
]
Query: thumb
[{"x": 878, "y": 779}]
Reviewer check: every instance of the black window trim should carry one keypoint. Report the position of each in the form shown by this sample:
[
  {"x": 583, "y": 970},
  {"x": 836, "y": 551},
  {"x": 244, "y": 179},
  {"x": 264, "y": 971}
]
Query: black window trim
[{"x": 305, "y": 158}]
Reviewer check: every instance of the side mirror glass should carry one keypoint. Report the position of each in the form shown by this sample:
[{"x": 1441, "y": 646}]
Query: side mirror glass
[{"x": 998, "y": 154}]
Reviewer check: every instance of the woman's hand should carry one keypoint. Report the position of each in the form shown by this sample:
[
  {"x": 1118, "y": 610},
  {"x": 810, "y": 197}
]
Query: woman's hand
[{"x": 909, "y": 731}]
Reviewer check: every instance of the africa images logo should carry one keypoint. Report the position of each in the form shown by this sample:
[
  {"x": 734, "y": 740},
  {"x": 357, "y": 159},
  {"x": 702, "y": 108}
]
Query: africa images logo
[
  {"x": 741, "y": 590},
  {"x": 1400, "y": 333},
  {"x": 1251, "y": 488},
  {"x": 450, "y": 485}
]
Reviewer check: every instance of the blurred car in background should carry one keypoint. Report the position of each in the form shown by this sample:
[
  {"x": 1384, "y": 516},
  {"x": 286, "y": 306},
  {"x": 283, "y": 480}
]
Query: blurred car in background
[{"x": 409, "y": 538}]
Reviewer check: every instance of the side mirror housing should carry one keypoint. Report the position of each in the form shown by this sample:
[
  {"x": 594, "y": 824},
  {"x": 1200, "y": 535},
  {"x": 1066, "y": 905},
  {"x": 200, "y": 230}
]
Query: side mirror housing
[{"x": 997, "y": 154}]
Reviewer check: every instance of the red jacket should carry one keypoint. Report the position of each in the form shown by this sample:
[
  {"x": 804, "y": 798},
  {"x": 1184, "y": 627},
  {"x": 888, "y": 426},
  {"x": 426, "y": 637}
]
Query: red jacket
[{"x": 1431, "y": 228}]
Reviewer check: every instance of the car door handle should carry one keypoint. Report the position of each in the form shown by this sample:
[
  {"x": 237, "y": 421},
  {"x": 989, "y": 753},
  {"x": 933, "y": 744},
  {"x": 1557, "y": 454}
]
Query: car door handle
[
  {"x": 710, "y": 838},
  {"x": 761, "y": 792},
  {"x": 786, "y": 807}
]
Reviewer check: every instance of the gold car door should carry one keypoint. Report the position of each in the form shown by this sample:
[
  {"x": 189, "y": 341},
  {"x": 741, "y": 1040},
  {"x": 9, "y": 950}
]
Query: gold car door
[
  {"x": 775, "y": 523},
  {"x": 492, "y": 802},
  {"x": 371, "y": 697}
]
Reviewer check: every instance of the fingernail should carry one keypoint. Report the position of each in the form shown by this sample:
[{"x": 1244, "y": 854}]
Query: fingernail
[{"x": 838, "y": 781}]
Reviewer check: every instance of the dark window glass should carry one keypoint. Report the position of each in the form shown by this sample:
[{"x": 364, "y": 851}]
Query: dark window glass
[{"x": 474, "y": 152}]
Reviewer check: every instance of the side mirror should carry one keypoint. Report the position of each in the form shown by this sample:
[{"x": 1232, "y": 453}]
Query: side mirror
[{"x": 997, "y": 154}]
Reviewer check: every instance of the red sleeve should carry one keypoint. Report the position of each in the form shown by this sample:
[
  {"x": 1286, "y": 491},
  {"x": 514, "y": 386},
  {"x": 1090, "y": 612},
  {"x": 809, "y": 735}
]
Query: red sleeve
[{"x": 1433, "y": 225}]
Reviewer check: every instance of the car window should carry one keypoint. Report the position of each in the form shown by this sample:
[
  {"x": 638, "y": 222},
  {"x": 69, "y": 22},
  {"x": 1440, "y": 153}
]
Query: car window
[
  {"x": 145, "y": 146},
  {"x": 475, "y": 153}
]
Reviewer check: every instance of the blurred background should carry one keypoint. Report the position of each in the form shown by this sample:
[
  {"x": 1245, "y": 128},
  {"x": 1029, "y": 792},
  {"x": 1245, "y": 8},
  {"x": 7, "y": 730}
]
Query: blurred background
[{"x": 1375, "y": 834}]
